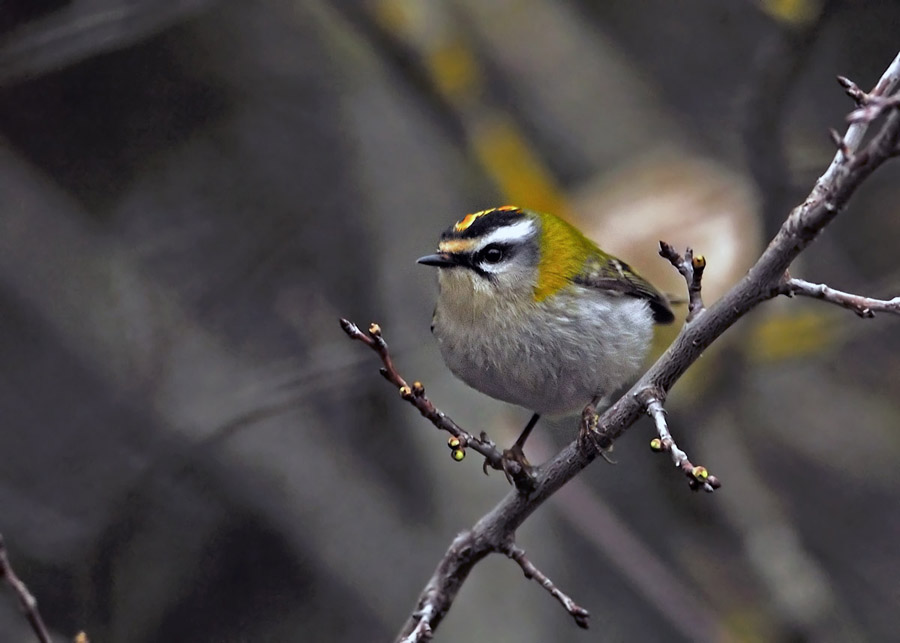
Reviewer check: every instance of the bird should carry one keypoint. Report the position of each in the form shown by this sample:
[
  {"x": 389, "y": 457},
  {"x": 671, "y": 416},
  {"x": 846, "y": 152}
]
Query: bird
[{"x": 532, "y": 312}]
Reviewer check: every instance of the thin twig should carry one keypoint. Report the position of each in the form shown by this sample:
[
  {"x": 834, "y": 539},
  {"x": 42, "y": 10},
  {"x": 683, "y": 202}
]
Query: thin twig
[
  {"x": 874, "y": 107},
  {"x": 517, "y": 554},
  {"x": 691, "y": 267},
  {"x": 460, "y": 438},
  {"x": 26, "y": 600},
  {"x": 839, "y": 143},
  {"x": 865, "y": 307},
  {"x": 698, "y": 476},
  {"x": 853, "y": 91}
]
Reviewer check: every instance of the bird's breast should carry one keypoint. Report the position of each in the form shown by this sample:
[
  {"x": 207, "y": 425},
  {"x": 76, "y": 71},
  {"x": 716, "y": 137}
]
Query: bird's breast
[{"x": 551, "y": 356}]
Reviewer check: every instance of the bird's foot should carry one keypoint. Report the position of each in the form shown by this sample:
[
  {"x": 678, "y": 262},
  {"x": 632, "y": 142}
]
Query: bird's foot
[
  {"x": 518, "y": 470},
  {"x": 589, "y": 436}
]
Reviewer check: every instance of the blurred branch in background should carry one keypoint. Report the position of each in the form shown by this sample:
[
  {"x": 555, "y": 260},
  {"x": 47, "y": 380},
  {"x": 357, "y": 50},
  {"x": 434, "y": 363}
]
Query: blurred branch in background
[
  {"x": 68, "y": 32},
  {"x": 26, "y": 600},
  {"x": 437, "y": 48},
  {"x": 772, "y": 79}
]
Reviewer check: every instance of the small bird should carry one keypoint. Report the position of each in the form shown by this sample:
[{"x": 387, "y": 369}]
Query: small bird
[{"x": 532, "y": 312}]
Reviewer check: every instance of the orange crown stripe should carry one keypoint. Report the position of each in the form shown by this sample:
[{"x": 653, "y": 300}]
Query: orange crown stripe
[{"x": 469, "y": 219}]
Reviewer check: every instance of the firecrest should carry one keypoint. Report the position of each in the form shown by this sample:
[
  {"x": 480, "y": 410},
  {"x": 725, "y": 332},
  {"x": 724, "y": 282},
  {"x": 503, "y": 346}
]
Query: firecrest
[{"x": 532, "y": 312}]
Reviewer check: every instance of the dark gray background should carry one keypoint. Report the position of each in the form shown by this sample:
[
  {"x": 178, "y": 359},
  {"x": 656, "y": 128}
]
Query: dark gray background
[{"x": 191, "y": 193}]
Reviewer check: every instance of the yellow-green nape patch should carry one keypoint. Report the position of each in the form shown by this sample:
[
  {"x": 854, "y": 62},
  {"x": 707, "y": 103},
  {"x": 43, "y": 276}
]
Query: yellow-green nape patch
[
  {"x": 564, "y": 251},
  {"x": 466, "y": 222}
]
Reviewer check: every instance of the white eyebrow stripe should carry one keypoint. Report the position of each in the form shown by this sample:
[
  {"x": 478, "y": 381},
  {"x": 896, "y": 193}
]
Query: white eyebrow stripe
[{"x": 509, "y": 234}]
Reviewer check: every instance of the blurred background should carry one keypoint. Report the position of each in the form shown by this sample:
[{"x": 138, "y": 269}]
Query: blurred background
[{"x": 192, "y": 192}]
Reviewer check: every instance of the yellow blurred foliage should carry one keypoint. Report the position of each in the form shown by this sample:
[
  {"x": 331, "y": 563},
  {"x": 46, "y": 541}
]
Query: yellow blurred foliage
[
  {"x": 395, "y": 16},
  {"x": 454, "y": 70},
  {"x": 795, "y": 13},
  {"x": 499, "y": 145},
  {"x": 515, "y": 168},
  {"x": 790, "y": 335}
]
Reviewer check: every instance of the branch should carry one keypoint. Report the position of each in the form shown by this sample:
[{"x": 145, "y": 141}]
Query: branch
[
  {"x": 865, "y": 307},
  {"x": 494, "y": 531},
  {"x": 26, "y": 600},
  {"x": 460, "y": 438},
  {"x": 422, "y": 631}
]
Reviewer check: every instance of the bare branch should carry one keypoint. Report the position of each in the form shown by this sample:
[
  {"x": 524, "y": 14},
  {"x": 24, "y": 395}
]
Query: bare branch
[
  {"x": 26, "y": 600},
  {"x": 865, "y": 307},
  {"x": 496, "y": 530},
  {"x": 516, "y": 553},
  {"x": 466, "y": 550}
]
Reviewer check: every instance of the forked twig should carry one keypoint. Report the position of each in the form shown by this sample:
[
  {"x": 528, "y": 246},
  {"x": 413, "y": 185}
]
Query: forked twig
[{"x": 691, "y": 267}]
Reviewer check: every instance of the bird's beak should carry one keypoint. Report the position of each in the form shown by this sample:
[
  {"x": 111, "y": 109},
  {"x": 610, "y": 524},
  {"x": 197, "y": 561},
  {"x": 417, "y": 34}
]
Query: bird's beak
[{"x": 441, "y": 260}]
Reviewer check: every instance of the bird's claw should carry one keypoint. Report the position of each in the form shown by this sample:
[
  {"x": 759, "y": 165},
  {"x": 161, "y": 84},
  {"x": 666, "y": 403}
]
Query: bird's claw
[
  {"x": 517, "y": 469},
  {"x": 590, "y": 438}
]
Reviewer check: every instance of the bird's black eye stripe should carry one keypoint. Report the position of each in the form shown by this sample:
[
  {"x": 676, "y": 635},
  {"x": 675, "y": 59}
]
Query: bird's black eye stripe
[{"x": 493, "y": 253}]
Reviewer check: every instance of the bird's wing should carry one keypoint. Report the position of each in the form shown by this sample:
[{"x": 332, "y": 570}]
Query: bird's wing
[{"x": 616, "y": 276}]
